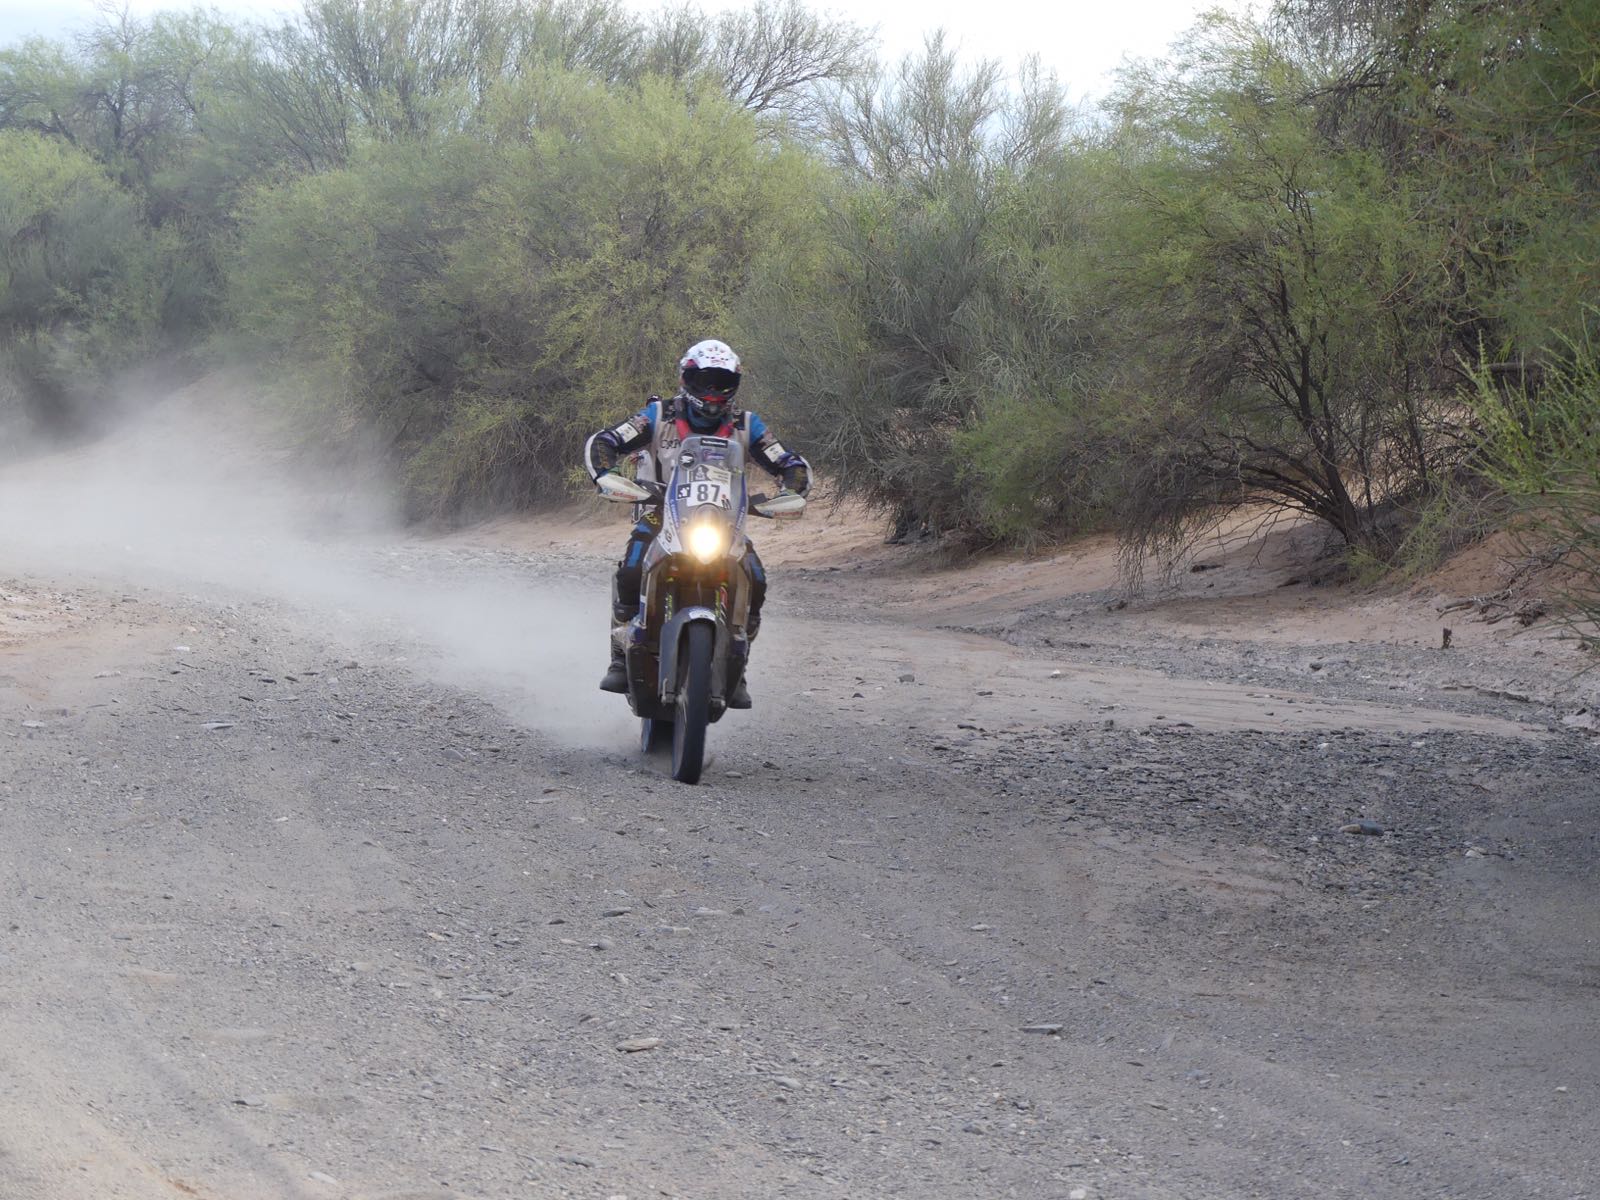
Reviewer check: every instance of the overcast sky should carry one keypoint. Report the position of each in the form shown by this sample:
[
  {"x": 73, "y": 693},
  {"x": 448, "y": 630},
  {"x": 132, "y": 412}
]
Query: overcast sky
[{"x": 1083, "y": 40}]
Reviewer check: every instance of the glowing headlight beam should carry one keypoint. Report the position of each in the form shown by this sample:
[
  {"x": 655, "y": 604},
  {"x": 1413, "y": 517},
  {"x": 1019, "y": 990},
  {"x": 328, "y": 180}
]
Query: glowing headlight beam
[{"x": 707, "y": 542}]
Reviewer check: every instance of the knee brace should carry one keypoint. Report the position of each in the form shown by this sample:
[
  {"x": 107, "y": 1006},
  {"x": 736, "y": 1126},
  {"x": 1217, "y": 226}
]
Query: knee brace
[
  {"x": 626, "y": 582},
  {"x": 758, "y": 585}
]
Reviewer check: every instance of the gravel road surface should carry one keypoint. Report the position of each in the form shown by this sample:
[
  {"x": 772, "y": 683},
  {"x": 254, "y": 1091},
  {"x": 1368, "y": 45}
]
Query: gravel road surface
[{"x": 372, "y": 897}]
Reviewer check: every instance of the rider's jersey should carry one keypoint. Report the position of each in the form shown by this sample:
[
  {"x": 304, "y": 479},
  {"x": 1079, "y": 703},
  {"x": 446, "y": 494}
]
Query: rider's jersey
[{"x": 657, "y": 432}]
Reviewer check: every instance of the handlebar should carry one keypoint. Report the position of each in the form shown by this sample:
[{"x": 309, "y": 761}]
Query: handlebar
[{"x": 622, "y": 490}]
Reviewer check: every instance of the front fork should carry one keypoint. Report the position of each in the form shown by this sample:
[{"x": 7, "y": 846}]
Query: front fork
[
  {"x": 732, "y": 648},
  {"x": 738, "y": 655},
  {"x": 672, "y": 640}
]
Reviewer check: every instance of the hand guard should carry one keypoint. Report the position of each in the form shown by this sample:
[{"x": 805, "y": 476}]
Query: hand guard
[
  {"x": 784, "y": 504},
  {"x": 621, "y": 489}
]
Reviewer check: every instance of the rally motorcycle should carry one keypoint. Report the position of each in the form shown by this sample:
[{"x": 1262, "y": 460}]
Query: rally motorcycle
[{"x": 687, "y": 648}]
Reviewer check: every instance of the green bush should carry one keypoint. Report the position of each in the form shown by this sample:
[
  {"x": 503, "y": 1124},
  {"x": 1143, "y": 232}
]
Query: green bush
[
  {"x": 472, "y": 230},
  {"x": 1543, "y": 449},
  {"x": 936, "y": 313},
  {"x": 82, "y": 280},
  {"x": 487, "y": 299}
]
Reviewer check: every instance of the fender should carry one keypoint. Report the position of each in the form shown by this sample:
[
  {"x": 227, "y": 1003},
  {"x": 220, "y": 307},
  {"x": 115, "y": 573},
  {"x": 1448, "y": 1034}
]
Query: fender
[{"x": 672, "y": 638}]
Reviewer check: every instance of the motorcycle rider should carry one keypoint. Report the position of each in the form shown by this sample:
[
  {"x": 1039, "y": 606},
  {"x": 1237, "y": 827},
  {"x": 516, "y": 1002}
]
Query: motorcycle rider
[{"x": 708, "y": 377}]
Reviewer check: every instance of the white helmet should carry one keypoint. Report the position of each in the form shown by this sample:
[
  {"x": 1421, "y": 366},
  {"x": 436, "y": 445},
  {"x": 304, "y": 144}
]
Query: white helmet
[{"x": 709, "y": 372}]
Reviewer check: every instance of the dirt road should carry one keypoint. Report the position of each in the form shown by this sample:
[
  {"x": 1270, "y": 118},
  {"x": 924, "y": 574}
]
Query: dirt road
[{"x": 372, "y": 898}]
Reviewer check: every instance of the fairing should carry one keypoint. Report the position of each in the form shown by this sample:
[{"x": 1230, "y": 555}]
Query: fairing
[{"x": 707, "y": 487}]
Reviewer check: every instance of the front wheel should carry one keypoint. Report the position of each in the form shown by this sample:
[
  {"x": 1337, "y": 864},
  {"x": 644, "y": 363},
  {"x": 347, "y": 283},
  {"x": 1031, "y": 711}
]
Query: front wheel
[{"x": 694, "y": 703}]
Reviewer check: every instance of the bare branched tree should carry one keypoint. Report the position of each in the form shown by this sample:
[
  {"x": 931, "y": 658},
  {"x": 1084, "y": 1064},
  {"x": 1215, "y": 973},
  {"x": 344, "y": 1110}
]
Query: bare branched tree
[
  {"x": 125, "y": 88},
  {"x": 931, "y": 115},
  {"x": 772, "y": 55},
  {"x": 770, "y": 58}
]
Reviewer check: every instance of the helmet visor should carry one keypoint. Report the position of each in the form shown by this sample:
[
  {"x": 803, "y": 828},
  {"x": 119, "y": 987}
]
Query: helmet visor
[{"x": 711, "y": 383}]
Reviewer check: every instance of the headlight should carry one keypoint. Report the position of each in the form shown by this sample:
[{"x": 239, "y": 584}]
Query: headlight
[{"x": 707, "y": 542}]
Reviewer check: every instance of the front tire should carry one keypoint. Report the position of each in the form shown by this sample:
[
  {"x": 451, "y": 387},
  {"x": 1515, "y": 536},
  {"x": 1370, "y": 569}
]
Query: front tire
[{"x": 694, "y": 703}]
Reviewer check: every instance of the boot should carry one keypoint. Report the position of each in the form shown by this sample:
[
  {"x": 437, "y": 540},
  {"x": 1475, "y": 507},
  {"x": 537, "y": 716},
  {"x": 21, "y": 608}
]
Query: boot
[
  {"x": 616, "y": 677},
  {"x": 740, "y": 696}
]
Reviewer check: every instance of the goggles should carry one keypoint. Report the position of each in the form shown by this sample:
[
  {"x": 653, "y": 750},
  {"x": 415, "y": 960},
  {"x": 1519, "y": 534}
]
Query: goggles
[{"x": 711, "y": 383}]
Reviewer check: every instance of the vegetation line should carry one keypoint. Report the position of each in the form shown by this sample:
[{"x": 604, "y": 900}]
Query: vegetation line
[{"x": 1343, "y": 258}]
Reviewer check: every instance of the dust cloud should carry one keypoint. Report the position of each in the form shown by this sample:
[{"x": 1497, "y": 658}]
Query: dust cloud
[{"x": 198, "y": 498}]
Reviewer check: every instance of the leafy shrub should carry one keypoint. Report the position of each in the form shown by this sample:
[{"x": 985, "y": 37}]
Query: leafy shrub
[
  {"x": 488, "y": 299},
  {"x": 1543, "y": 448},
  {"x": 81, "y": 280}
]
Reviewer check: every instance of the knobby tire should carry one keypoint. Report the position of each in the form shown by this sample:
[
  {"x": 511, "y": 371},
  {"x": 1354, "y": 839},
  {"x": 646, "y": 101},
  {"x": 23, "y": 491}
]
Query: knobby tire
[{"x": 694, "y": 703}]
